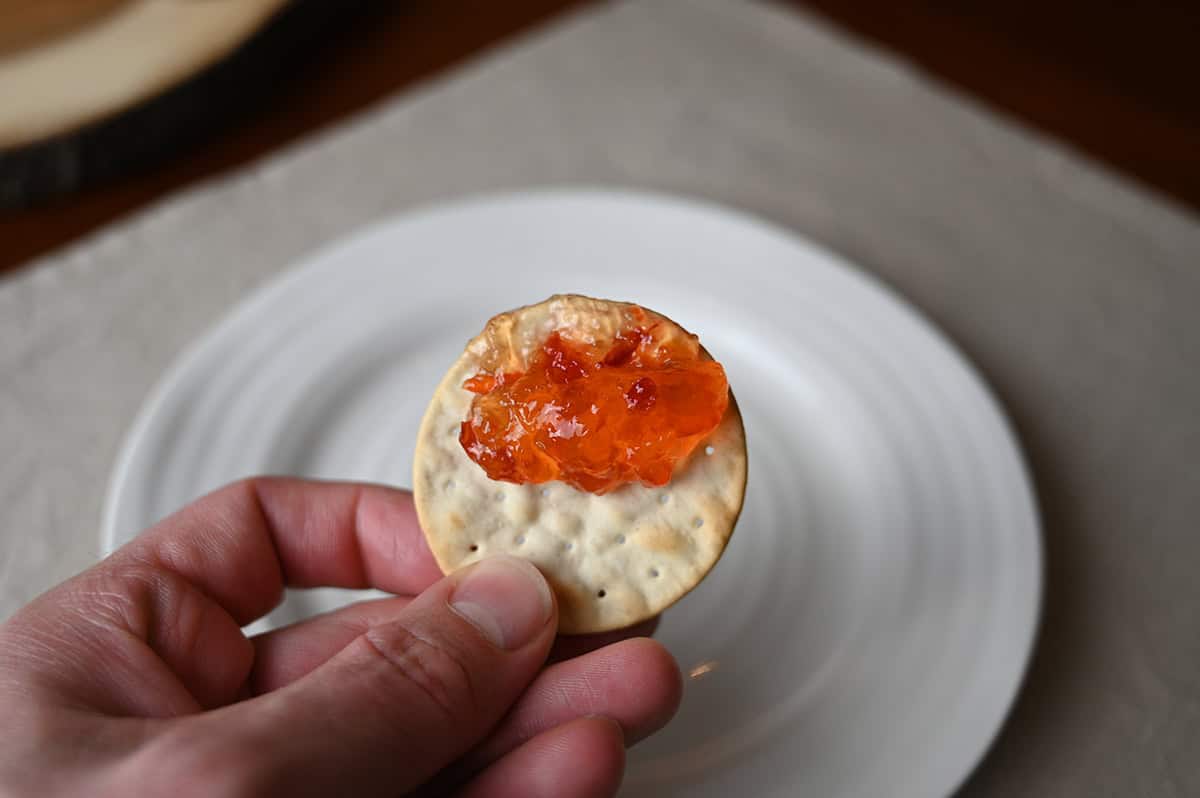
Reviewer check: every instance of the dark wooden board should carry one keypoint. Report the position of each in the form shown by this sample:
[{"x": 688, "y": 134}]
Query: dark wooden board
[{"x": 1117, "y": 81}]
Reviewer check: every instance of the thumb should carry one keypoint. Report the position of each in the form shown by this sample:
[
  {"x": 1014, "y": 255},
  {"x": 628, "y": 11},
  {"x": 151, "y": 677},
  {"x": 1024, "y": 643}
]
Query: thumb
[{"x": 407, "y": 697}]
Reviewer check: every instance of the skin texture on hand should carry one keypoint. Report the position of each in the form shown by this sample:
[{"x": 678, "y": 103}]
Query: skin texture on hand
[{"x": 135, "y": 678}]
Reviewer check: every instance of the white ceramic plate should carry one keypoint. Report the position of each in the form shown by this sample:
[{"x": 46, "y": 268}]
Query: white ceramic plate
[{"x": 867, "y": 629}]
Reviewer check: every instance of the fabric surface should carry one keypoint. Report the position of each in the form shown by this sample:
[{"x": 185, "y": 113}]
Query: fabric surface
[{"x": 1073, "y": 292}]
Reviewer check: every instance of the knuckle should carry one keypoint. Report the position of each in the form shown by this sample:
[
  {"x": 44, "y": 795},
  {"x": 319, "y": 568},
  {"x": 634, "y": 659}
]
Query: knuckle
[
  {"x": 436, "y": 670},
  {"x": 128, "y": 595}
]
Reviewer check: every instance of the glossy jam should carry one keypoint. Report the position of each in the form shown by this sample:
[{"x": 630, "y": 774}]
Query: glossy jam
[{"x": 596, "y": 419}]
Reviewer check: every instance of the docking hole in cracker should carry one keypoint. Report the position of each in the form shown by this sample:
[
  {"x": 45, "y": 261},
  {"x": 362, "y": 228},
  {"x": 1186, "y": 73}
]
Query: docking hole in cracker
[{"x": 596, "y": 439}]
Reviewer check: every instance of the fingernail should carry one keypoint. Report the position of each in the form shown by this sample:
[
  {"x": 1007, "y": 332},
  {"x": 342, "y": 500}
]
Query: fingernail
[{"x": 505, "y": 598}]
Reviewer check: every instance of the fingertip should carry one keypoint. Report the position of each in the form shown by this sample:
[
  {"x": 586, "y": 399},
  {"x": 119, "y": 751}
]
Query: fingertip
[
  {"x": 583, "y": 758},
  {"x": 635, "y": 683},
  {"x": 609, "y": 736},
  {"x": 599, "y": 773},
  {"x": 659, "y": 683}
]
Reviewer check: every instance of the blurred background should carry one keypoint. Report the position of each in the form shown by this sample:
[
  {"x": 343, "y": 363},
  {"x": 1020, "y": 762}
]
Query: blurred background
[{"x": 106, "y": 105}]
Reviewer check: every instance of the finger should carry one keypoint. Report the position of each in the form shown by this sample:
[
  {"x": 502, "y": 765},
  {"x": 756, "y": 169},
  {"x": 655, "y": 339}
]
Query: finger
[
  {"x": 581, "y": 759},
  {"x": 243, "y": 543},
  {"x": 129, "y": 640},
  {"x": 286, "y": 654},
  {"x": 636, "y": 683},
  {"x": 571, "y": 646},
  {"x": 394, "y": 706},
  {"x": 198, "y": 640}
]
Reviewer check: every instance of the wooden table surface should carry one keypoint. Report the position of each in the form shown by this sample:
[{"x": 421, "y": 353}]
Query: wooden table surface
[{"x": 1117, "y": 83}]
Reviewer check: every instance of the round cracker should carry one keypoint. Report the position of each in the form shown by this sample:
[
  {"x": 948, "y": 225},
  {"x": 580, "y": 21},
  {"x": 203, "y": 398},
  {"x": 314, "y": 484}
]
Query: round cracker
[{"x": 613, "y": 560}]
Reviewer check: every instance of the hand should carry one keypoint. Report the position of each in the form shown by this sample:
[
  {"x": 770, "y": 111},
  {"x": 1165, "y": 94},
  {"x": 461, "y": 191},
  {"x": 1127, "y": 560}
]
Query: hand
[{"x": 134, "y": 678}]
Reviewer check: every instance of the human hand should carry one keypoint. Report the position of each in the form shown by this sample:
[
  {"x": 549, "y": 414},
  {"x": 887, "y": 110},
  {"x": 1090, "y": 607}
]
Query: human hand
[{"x": 134, "y": 678}]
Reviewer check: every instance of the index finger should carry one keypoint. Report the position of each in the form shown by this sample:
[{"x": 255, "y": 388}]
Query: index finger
[{"x": 243, "y": 543}]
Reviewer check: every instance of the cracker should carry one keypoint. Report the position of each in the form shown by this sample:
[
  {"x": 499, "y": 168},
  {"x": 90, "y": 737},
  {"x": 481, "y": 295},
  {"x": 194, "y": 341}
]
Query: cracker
[{"x": 612, "y": 560}]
